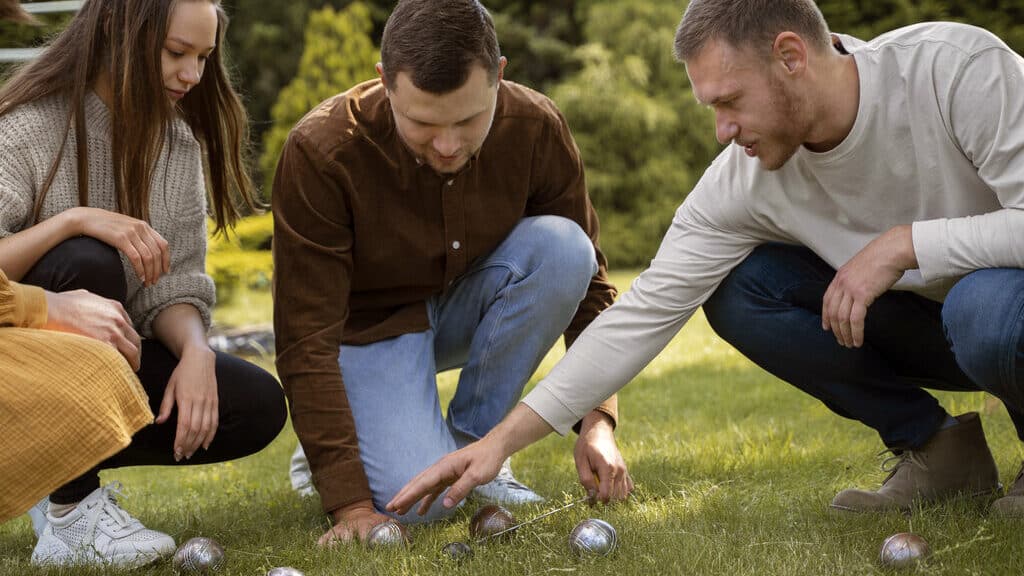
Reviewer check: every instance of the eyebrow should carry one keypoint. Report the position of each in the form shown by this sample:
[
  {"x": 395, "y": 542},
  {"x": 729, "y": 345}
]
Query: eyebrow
[
  {"x": 188, "y": 44},
  {"x": 466, "y": 119},
  {"x": 720, "y": 98}
]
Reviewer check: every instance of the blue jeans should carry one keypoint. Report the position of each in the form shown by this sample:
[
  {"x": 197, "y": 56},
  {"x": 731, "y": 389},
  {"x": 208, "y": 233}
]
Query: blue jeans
[
  {"x": 769, "y": 308},
  {"x": 497, "y": 322}
]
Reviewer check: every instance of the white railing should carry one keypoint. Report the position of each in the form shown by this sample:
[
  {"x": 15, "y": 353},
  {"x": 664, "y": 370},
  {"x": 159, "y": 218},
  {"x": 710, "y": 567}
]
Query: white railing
[{"x": 23, "y": 54}]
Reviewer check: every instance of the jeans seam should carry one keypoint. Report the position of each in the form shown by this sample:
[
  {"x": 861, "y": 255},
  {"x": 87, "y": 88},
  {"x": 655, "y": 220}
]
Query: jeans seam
[
  {"x": 1009, "y": 368},
  {"x": 517, "y": 276}
]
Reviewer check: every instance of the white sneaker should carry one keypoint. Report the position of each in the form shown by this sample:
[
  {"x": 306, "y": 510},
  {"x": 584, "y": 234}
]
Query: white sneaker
[
  {"x": 300, "y": 475},
  {"x": 505, "y": 489},
  {"x": 100, "y": 532},
  {"x": 38, "y": 515}
]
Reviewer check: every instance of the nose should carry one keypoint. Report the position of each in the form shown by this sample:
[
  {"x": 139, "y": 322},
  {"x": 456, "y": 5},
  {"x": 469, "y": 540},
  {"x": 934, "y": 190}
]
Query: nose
[
  {"x": 446, "y": 143},
  {"x": 725, "y": 129},
  {"x": 190, "y": 73}
]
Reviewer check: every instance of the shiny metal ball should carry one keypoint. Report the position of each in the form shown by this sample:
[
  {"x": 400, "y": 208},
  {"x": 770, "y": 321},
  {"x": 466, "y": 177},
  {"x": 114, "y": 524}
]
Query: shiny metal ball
[
  {"x": 489, "y": 520},
  {"x": 903, "y": 550},
  {"x": 593, "y": 537},
  {"x": 198, "y": 556},
  {"x": 388, "y": 534},
  {"x": 285, "y": 571},
  {"x": 457, "y": 551}
]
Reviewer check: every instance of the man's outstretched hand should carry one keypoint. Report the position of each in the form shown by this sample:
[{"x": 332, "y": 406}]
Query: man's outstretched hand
[
  {"x": 462, "y": 470},
  {"x": 353, "y": 522}
]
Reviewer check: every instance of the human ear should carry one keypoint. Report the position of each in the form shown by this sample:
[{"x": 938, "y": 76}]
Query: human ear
[{"x": 790, "y": 51}]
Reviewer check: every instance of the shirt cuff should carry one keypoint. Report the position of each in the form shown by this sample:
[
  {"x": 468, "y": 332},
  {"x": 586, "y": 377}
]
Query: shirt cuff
[
  {"x": 552, "y": 410},
  {"x": 931, "y": 246}
]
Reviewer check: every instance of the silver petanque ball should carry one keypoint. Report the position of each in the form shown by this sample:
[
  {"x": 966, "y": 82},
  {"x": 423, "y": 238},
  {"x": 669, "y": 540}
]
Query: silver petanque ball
[
  {"x": 593, "y": 537},
  {"x": 285, "y": 571},
  {"x": 903, "y": 550},
  {"x": 388, "y": 534},
  {"x": 457, "y": 551},
  {"x": 198, "y": 556}
]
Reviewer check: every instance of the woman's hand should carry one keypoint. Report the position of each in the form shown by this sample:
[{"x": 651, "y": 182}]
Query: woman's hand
[
  {"x": 193, "y": 388},
  {"x": 85, "y": 313},
  {"x": 144, "y": 247}
]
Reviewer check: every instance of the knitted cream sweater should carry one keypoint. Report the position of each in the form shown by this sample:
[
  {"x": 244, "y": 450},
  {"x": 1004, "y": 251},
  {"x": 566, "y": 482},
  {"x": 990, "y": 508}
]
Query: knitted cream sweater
[{"x": 30, "y": 138}]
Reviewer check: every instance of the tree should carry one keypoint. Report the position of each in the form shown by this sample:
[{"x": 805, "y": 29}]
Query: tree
[
  {"x": 643, "y": 138},
  {"x": 338, "y": 54}
]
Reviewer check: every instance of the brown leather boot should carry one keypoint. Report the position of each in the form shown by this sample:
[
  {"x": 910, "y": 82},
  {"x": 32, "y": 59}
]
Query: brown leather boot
[
  {"x": 954, "y": 461},
  {"x": 1013, "y": 503}
]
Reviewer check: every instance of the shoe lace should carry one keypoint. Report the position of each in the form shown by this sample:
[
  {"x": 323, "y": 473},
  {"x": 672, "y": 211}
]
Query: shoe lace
[
  {"x": 110, "y": 508},
  {"x": 897, "y": 460}
]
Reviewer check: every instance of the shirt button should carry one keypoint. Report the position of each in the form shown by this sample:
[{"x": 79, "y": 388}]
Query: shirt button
[
  {"x": 456, "y": 245},
  {"x": 452, "y": 181}
]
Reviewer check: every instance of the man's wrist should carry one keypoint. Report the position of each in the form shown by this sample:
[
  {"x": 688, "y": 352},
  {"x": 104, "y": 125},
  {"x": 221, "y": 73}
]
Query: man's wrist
[
  {"x": 340, "y": 514},
  {"x": 596, "y": 418},
  {"x": 906, "y": 257}
]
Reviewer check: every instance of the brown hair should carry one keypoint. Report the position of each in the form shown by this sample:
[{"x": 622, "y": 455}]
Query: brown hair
[
  {"x": 748, "y": 24},
  {"x": 126, "y": 38},
  {"x": 437, "y": 41},
  {"x": 12, "y": 10}
]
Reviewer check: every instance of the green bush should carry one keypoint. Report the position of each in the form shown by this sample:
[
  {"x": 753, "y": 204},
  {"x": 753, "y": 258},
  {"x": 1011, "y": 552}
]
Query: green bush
[
  {"x": 231, "y": 269},
  {"x": 241, "y": 258},
  {"x": 338, "y": 54}
]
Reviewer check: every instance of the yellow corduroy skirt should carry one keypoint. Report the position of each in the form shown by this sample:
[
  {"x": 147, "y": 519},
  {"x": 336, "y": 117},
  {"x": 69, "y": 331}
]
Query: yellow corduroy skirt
[{"x": 66, "y": 403}]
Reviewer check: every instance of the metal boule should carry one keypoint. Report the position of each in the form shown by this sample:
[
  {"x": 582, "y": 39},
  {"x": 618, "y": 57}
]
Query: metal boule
[
  {"x": 457, "y": 551},
  {"x": 903, "y": 550},
  {"x": 198, "y": 556},
  {"x": 388, "y": 534},
  {"x": 490, "y": 520},
  {"x": 593, "y": 537},
  {"x": 285, "y": 571}
]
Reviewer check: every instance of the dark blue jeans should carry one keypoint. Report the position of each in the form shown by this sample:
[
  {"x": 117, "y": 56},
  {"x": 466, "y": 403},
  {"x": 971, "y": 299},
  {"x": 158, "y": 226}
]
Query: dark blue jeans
[{"x": 769, "y": 308}]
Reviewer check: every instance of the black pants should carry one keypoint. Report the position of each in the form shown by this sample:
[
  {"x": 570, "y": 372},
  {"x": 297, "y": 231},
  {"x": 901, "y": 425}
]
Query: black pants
[{"x": 251, "y": 402}]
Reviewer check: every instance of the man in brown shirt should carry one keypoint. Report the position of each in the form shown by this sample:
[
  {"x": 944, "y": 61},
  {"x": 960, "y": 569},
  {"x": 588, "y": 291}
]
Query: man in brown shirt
[{"x": 435, "y": 218}]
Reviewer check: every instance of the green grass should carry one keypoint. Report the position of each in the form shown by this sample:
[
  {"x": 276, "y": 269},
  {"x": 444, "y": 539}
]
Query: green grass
[{"x": 734, "y": 470}]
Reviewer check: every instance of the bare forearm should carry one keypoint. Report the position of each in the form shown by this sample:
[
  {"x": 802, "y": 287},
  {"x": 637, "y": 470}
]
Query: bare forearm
[
  {"x": 518, "y": 430},
  {"x": 901, "y": 246},
  {"x": 20, "y": 251},
  {"x": 180, "y": 328}
]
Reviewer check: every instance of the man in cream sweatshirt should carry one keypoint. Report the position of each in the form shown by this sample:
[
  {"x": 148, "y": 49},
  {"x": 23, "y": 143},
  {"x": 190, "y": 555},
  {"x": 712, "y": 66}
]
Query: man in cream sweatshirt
[{"x": 863, "y": 240}]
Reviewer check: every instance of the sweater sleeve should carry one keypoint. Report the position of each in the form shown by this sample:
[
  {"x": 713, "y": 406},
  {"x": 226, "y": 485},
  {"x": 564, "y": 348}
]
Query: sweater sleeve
[
  {"x": 184, "y": 228},
  {"x": 20, "y": 147},
  {"x": 695, "y": 256},
  {"x": 986, "y": 119},
  {"x": 21, "y": 306}
]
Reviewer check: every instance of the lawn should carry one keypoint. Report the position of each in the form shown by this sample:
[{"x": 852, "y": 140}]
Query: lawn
[{"x": 734, "y": 470}]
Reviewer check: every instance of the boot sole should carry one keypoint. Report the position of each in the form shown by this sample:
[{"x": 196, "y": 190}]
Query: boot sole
[{"x": 979, "y": 495}]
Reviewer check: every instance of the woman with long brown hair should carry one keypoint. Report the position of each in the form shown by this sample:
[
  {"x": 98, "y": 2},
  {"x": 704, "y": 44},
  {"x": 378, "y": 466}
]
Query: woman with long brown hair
[{"x": 111, "y": 149}]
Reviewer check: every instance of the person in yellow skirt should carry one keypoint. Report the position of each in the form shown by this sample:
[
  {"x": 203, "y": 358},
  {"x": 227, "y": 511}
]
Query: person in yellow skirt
[
  {"x": 116, "y": 144},
  {"x": 63, "y": 414}
]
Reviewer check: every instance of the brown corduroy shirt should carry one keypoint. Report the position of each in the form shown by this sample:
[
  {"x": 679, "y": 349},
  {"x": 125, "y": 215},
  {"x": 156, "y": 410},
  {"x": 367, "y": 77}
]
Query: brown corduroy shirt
[{"x": 364, "y": 234}]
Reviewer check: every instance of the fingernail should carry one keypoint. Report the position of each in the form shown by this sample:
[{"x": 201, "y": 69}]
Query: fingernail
[
  {"x": 177, "y": 456},
  {"x": 448, "y": 503}
]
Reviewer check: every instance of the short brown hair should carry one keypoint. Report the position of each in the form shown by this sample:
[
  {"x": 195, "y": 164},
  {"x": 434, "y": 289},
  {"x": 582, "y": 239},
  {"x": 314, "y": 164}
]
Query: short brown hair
[
  {"x": 437, "y": 42},
  {"x": 12, "y": 10},
  {"x": 748, "y": 24}
]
